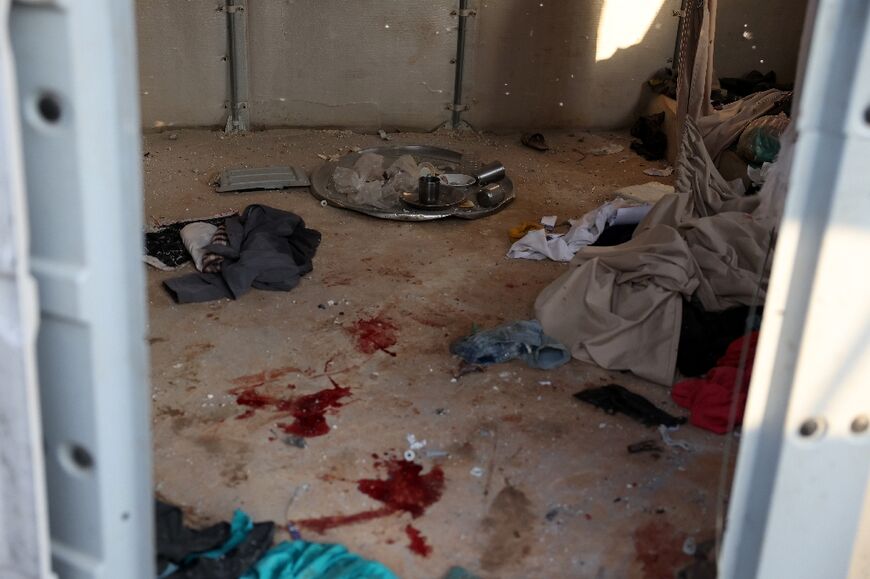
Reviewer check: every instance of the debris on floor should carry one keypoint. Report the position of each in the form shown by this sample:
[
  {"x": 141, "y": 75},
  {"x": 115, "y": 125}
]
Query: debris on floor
[
  {"x": 653, "y": 172},
  {"x": 524, "y": 340},
  {"x": 268, "y": 249},
  {"x": 219, "y": 552},
  {"x": 665, "y": 433},
  {"x": 710, "y": 399},
  {"x": 518, "y": 232},
  {"x": 644, "y": 446},
  {"x": 466, "y": 368},
  {"x": 268, "y": 178},
  {"x": 608, "y": 149},
  {"x": 164, "y": 248},
  {"x": 535, "y": 141},
  {"x": 652, "y": 141},
  {"x": 614, "y": 399},
  {"x": 538, "y": 244},
  {"x": 651, "y": 192}
]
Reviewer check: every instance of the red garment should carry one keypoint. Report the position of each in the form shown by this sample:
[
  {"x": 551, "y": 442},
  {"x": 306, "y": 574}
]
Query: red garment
[{"x": 708, "y": 399}]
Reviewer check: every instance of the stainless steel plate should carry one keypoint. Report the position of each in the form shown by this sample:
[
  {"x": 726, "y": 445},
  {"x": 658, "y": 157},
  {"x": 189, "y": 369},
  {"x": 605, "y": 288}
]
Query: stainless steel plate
[{"x": 445, "y": 160}]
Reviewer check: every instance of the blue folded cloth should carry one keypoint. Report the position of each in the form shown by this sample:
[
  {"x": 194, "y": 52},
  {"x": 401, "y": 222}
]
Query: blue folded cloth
[{"x": 525, "y": 340}]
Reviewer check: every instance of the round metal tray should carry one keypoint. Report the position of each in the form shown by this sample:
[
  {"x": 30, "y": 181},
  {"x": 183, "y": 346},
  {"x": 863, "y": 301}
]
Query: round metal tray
[{"x": 323, "y": 188}]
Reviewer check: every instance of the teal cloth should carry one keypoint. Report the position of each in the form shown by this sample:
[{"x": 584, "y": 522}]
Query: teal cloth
[
  {"x": 240, "y": 526},
  {"x": 304, "y": 560},
  {"x": 460, "y": 573}
]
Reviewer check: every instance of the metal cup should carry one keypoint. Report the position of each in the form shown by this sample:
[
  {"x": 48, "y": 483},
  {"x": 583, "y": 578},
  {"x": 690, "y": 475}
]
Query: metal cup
[
  {"x": 491, "y": 173},
  {"x": 429, "y": 189}
]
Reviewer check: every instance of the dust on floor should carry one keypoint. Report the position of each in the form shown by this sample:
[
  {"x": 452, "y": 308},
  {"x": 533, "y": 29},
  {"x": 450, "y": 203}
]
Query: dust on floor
[{"x": 517, "y": 479}]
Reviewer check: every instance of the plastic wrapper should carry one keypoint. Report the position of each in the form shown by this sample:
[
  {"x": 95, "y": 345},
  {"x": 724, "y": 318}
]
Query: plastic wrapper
[
  {"x": 370, "y": 167},
  {"x": 347, "y": 181},
  {"x": 759, "y": 142}
]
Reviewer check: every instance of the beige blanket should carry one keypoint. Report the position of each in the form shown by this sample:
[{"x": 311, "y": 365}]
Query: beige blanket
[{"x": 621, "y": 307}]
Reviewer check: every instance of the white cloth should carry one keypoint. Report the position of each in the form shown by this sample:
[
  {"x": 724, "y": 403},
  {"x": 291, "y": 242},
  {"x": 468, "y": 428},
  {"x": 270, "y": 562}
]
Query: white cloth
[
  {"x": 195, "y": 237},
  {"x": 539, "y": 245}
]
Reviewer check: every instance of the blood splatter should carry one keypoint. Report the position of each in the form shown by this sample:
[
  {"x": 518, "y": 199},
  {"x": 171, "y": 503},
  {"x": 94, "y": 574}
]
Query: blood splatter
[
  {"x": 418, "y": 542},
  {"x": 310, "y": 411},
  {"x": 254, "y": 399},
  {"x": 374, "y": 334},
  {"x": 658, "y": 548},
  {"x": 406, "y": 489},
  {"x": 264, "y": 377}
]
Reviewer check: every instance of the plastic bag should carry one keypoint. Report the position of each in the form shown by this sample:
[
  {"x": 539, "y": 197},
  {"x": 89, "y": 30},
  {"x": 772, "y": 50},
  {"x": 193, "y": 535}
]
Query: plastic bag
[
  {"x": 402, "y": 176},
  {"x": 759, "y": 142},
  {"x": 370, "y": 167},
  {"x": 347, "y": 181}
]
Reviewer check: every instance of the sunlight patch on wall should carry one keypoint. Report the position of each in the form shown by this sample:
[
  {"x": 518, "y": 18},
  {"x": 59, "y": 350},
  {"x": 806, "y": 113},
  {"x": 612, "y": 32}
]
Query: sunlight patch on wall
[{"x": 623, "y": 24}]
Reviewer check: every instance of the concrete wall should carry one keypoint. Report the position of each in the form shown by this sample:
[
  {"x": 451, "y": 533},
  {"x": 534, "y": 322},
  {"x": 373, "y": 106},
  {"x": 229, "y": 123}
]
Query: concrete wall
[
  {"x": 356, "y": 64},
  {"x": 534, "y": 64},
  {"x": 759, "y": 35},
  {"x": 182, "y": 66},
  {"x": 371, "y": 64}
]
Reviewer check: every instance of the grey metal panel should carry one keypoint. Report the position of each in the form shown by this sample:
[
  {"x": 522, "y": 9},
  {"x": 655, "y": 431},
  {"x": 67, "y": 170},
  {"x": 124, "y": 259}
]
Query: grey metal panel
[
  {"x": 24, "y": 543},
  {"x": 183, "y": 73},
  {"x": 363, "y": 64},
  {"x": 796, "y": 502},
  {"x": 262, "y": 178},
  {"x": 77, "y": 87}
]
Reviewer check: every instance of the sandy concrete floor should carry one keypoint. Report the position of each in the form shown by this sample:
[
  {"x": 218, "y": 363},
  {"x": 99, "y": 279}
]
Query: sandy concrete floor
[{"x": 534, "y": 483}]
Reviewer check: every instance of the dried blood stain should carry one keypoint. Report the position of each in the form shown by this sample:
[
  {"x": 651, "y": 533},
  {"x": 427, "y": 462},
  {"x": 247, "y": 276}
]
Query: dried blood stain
[
  {"x": 374, "y": 334},
  {"x": 309, "y": 411},
  {"x": 658, "y": 548},
  {"x": 405, "y": 489},
  {"x": 418, "y": 542},
  {"x": 264, "y": 377}
]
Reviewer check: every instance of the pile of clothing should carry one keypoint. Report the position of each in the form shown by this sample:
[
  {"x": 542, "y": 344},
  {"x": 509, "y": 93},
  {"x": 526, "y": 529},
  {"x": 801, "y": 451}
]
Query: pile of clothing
[
  {"x": 263, "y": 248},
  {"x": 707, "y": 244},
  {"x": 243, "y": 549}
]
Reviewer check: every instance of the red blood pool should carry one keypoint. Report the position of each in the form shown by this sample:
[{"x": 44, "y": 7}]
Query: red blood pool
[
  {"x": 405, "y": 489},
  {"x": 374, "y": 334},
  {"x": 418, "y": 542},
  {"x": 310, "y": 411}
]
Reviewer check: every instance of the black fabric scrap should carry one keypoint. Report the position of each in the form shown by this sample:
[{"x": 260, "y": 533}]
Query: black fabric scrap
[
  {"x": 653, "y": 142},
  {"x": 644, "y": 446},
  {"x": 166, "y": 245},
  {"x": 614, "y": 398},
  {"x": 704, "y": 336},
  {"x": 175, "y": 541},
  {"x": 237, "y": 561},
  {"x": 268, "y": 249},
  {"x": 615, "y": 235}
]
